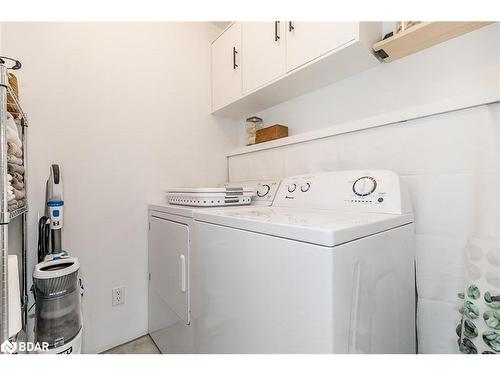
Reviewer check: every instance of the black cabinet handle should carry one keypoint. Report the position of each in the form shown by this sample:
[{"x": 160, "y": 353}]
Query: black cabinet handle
[
  {"x": 276, "y": 34},
  {"x": 290, "y": 26},
  {"x": 234, "y": 58}
]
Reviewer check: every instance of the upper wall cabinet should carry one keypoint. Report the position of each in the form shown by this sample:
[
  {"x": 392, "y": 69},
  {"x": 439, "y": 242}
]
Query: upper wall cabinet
[
  {"x": 226, "y": 67},
  {"x": 256, "y": 65},
  {"x": 306, "y": 41},
  {"x": 263, "y": 53}
]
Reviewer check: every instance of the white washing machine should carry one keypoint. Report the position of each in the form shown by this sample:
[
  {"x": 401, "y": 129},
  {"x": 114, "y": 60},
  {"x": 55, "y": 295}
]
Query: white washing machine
[
  {"x": 170, "y": 230},
  {"x": 328, "y": 268}
]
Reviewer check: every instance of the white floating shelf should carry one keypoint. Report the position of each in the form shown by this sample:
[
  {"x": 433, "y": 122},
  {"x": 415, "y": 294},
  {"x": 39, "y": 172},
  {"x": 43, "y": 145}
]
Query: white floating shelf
[{"x": 411, "y": 113}]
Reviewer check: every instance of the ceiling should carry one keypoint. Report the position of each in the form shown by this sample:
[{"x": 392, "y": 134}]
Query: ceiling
[{"x": 221, "y": 24}]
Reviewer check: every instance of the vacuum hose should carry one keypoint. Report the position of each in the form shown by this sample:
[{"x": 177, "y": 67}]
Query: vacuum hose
[{"x": 43, "y": 238}]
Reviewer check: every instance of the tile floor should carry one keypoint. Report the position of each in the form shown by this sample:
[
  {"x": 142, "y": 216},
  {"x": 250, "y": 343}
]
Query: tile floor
[{"x": 141, "y": 345}]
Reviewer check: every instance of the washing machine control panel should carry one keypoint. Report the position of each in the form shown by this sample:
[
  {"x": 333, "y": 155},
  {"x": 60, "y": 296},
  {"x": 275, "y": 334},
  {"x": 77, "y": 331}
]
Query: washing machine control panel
[
  {"x": 353, "y": 191},
  {"x": 265, "y": 190}
]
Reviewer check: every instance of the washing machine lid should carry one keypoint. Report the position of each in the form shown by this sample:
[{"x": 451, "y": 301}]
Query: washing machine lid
[
  {"x": 185, "y": 211},
  {"x": 320, "y": 227}
]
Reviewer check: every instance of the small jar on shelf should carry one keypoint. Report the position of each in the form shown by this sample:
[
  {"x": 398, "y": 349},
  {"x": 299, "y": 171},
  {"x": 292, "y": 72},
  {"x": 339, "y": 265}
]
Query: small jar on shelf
[{"x": 253, "y": 124}]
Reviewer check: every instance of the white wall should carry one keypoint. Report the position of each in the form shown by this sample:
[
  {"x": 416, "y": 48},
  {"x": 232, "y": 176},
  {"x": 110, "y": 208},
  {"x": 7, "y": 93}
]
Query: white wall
[
  {"x": 124, "y": 108},
  {"x": 463, "y": 65}
]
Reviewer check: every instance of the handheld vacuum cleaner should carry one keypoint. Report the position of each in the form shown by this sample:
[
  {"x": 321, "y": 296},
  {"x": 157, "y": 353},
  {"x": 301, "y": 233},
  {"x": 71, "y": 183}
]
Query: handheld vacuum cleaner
[{"x": 56, "y": 285}]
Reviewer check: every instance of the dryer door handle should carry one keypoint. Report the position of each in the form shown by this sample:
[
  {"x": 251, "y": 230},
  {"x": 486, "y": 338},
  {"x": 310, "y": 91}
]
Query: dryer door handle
[{"x": 182, "y": 273}]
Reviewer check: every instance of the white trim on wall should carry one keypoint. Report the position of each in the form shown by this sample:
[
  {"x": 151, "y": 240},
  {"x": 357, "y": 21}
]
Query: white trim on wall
[{"x": 411, "y": 113}]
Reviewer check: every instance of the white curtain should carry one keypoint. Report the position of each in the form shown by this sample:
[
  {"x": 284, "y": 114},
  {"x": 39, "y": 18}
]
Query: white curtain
[{"x": 479, "y": 329}]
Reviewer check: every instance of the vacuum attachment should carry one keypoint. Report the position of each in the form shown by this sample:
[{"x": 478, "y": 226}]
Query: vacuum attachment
[
  {"x": 57, "y": 294},
  {"x": 55, "y": 205}
]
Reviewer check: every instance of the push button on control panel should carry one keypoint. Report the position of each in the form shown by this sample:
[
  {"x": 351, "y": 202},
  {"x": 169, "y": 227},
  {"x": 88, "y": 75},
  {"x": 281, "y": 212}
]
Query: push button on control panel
[
  {"x": 263, "y": 190},
  {"x": 292, "y": 187},
  {"x": 305, "y": 187}
]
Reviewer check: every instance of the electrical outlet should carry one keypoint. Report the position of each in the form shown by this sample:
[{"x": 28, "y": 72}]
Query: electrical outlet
[{"x": 118, "y": 296}]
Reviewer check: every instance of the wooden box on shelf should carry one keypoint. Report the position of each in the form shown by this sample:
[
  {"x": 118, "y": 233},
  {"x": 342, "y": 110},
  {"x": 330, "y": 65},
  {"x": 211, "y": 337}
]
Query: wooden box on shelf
[{"x": 270, "y": 133}]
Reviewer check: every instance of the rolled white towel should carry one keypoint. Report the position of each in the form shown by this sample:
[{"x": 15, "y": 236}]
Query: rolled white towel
[
  {"x": 16, "y": 184},
  {"x": 13, "y": 168},
  {"x": 12, "y": 131},
  {"x": 14, "y": 160},
  {"x": 14, "y": 150},
  {"x": 19, "y": 194}
]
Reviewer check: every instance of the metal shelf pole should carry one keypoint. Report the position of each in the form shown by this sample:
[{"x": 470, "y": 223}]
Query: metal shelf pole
[
  {"x": 4, "y": 216},
  {"x": 24, "y": 225}
]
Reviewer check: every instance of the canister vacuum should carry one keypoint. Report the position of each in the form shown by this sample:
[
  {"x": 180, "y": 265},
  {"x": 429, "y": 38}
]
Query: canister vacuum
[{"x": 56, "y": 285}]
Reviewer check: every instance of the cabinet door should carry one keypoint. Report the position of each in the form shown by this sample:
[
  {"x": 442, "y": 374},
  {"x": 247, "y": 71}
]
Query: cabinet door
[
  {"x": 307, "y": 41},
  {"x": 263, "y": 53},
  {"x": 168, "y": 264},
  {"x": 226, "y": 67}
]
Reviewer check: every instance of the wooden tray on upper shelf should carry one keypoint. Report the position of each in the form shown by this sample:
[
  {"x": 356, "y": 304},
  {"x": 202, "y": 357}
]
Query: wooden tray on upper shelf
[
  {"x": 421, "y": 36},
  {"x": 271, "y": 133}
]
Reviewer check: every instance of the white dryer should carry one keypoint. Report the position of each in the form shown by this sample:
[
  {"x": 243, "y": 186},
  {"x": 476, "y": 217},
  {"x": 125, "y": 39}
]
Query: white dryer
[
  {"x": 169, "y": 305},
  {"x": 328, "y": 268}
]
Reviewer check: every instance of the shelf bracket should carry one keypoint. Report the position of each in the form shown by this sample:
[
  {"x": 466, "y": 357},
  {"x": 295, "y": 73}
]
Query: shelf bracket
[{"x": 381, "y": 54}]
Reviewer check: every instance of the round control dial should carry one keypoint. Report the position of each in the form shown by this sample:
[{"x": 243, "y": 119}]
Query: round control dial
[
  {"x": 305, "y": 187},
  {"x": 263, "y": 190},
  {"x": 292, "y": 187},
  {"x": 364, "y": 186}
]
